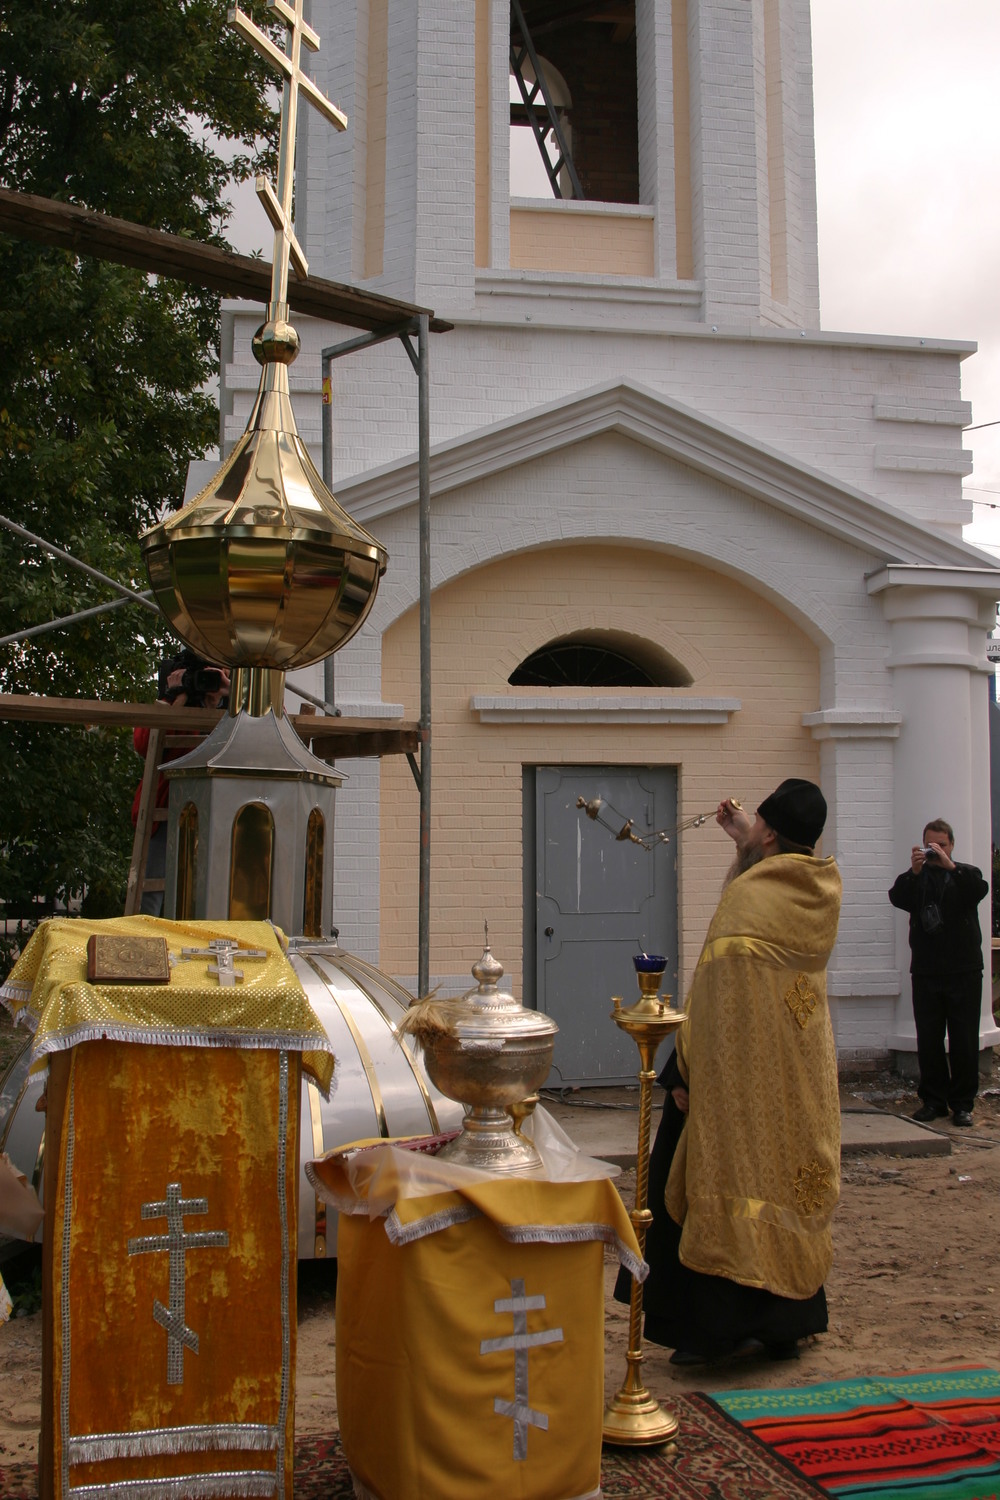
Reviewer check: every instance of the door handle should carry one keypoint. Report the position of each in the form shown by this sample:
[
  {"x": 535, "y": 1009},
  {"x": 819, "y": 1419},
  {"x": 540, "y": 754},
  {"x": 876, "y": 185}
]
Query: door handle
[{"x": 549, "y": 931}]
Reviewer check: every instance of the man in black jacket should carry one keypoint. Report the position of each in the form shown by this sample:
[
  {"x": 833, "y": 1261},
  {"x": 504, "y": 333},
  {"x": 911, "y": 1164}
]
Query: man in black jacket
[{"x": 946, "y": 964}]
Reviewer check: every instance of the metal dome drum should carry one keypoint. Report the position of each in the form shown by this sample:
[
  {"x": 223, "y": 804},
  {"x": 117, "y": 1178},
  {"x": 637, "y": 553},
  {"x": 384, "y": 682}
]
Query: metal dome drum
[{"x": 263, "y": 568}]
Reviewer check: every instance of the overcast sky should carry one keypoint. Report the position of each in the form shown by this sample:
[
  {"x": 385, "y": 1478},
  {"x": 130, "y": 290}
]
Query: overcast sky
[
  {"x": 908, "y": 180},
  {"x": 908, "y": 172}
]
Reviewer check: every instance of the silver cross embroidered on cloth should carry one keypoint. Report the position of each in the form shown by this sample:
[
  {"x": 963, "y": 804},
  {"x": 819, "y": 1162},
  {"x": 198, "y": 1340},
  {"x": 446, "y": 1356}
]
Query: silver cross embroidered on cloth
[
  {"x": 177, "y": 1242},
  {"x": 521, "y": 1342}
]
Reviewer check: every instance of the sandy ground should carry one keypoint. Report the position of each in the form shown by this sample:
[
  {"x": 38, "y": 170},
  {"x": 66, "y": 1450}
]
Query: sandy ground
[{"x": 915, "y": 1284}]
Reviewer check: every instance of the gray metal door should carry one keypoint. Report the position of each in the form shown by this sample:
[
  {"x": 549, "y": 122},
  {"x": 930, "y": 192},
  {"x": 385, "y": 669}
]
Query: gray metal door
[{"x": 597, "y": 902}]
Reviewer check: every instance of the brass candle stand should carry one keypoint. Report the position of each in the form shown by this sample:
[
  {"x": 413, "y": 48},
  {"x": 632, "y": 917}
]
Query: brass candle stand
[{"x": 634, "y": 1418}]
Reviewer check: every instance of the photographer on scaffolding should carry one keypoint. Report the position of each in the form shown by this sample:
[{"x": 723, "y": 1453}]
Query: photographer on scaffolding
[{"x": 183, "y": 680}]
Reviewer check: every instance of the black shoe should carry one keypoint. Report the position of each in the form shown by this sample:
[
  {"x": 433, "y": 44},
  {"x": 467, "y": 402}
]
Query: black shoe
[
  {"x": 962, "y": 1117},
  {"x": 787, "y": 1350},
  {"x": 685, "y": 1357},
  {"x": 928, "y": 1112}
]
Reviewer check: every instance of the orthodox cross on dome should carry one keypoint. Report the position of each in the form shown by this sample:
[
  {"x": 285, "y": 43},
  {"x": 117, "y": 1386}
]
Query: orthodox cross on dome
[
  {"x": 278, "y": 206},
  {"x": 177, "y": 1242}
]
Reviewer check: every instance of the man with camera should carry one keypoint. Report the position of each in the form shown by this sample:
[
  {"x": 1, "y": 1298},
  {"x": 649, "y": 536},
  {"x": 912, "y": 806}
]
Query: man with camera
[
  {"x": 182, "y": 680},
  {"x": 946, "y": 967}
]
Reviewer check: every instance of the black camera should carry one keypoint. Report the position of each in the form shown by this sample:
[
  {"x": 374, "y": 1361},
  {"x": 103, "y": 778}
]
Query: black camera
[
  {"x": 197, "y": 681},
  {"x": 199, "y": 678}
]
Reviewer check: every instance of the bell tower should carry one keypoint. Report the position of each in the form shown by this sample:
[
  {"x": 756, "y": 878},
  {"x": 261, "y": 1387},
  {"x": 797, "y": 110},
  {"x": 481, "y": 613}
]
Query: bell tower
[{"x": 679, "y": 138}]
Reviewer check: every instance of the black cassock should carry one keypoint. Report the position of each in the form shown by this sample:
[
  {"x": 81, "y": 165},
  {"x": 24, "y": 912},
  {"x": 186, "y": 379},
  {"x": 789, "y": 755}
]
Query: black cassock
[{"x": 684, "y": 1309}]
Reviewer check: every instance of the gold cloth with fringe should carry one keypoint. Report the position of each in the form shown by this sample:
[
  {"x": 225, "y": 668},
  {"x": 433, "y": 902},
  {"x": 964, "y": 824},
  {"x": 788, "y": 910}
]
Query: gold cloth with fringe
[
  {"x": 470, "y": 1316},
  {"x": 756, "y": 1176},
  {"x": 47, "y": 990},
  {"x": 171, "y": 1193}
]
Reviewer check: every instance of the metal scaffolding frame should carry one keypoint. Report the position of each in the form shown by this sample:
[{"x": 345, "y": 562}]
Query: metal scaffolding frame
[{"x": 418, "y": 327}]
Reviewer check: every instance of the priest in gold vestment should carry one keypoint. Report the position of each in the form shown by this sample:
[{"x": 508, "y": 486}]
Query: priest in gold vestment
[{"x": 744, "y": 1175}]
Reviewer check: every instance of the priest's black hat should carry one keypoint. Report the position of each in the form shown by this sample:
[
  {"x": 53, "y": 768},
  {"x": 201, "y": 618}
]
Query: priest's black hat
[{"x": 796, "y": 810}]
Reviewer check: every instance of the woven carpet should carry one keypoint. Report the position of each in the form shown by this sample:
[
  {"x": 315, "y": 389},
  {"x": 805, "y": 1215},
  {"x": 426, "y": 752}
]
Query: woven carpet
[
  {"x": 715, "y": 1459},
  {"x": 930, "y": 1435}
]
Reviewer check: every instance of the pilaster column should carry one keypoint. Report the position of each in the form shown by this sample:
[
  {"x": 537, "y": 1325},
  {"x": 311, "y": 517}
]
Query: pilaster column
[
  {"x": 655, "y": 82},
  {"x": 438, "y": 207},
  {"x": 330, "y": 203},
  {"x": 724, "y": 164},
  {"x": 857, "y": 747},
  {"x": 939, "y": 619}
]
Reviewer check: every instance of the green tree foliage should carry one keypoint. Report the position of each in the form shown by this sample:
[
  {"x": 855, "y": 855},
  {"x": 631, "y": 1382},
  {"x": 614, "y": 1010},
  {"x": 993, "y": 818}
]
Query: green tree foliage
[{"x": 143, "y": 109}]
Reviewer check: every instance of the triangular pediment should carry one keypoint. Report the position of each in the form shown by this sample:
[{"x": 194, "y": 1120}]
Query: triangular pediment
[{"x": 683, "y": 435}]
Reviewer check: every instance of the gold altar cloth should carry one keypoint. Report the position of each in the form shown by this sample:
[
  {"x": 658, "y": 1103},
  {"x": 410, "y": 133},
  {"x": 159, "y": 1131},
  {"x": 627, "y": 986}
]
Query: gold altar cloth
[
  {"x": 47, "y": 990},
  {"x": 169, "y": 1312},
  {"x": 470, "y": 1326}
]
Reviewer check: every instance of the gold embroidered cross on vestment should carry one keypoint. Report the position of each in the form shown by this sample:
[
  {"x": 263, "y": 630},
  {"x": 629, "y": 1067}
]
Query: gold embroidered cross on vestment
[
  {"x": 812, "y": 1183},
  {"x": 801, "y": 1000}
]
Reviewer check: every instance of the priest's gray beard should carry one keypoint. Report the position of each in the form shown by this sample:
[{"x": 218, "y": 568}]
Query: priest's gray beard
[{"x": 746, "y": 858}]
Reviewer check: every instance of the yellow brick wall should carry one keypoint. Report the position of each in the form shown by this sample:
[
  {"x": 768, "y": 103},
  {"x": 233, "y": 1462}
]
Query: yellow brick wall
[
  {"x": 733, "y": 643},
  {"x": 571, "y": 240}
]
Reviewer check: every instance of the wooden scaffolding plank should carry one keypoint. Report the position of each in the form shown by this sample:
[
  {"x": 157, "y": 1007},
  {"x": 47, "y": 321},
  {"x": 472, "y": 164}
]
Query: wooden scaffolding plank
[
  {"x": 67, "y": 225},
  {"x": 328, "y": 736}
]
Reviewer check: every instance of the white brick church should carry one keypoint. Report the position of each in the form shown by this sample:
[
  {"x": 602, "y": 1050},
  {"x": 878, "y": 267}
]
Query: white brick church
[{"x": 684, "y": 543}]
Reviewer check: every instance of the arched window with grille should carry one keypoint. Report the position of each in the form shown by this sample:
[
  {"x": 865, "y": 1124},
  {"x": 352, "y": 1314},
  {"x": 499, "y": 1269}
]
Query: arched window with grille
[{"x": 602, "y": 659}]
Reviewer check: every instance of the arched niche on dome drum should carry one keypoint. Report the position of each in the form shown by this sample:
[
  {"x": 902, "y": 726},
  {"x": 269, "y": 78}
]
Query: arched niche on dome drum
[
  {"x": 312, "y": 895},
  {"x": 187, "y": 863},
  {"x": 251, "y": 866}
]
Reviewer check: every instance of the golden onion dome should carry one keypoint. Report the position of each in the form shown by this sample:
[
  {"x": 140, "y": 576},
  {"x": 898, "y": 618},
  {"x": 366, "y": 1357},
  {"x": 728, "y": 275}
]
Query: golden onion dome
[{"x": 263, "y": 568}]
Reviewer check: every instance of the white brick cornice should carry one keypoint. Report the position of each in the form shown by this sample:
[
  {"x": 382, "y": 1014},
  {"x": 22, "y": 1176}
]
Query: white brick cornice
[
  {"x": 616, "y": 708},
  {"x": 853, "y": 724},
  {"x": 684, "y": 436},
  {"x": 577, "y": 301},
  {"x": 922, "y": 409},
  {"x": 913, "y": 460},
  {"x": 969, "y": 578}
]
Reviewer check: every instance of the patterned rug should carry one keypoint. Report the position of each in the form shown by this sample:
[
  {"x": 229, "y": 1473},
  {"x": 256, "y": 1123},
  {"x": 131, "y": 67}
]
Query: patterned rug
[
  {"x": 714, "y": 1460},
  {"x": 930, "y": 1435}
]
